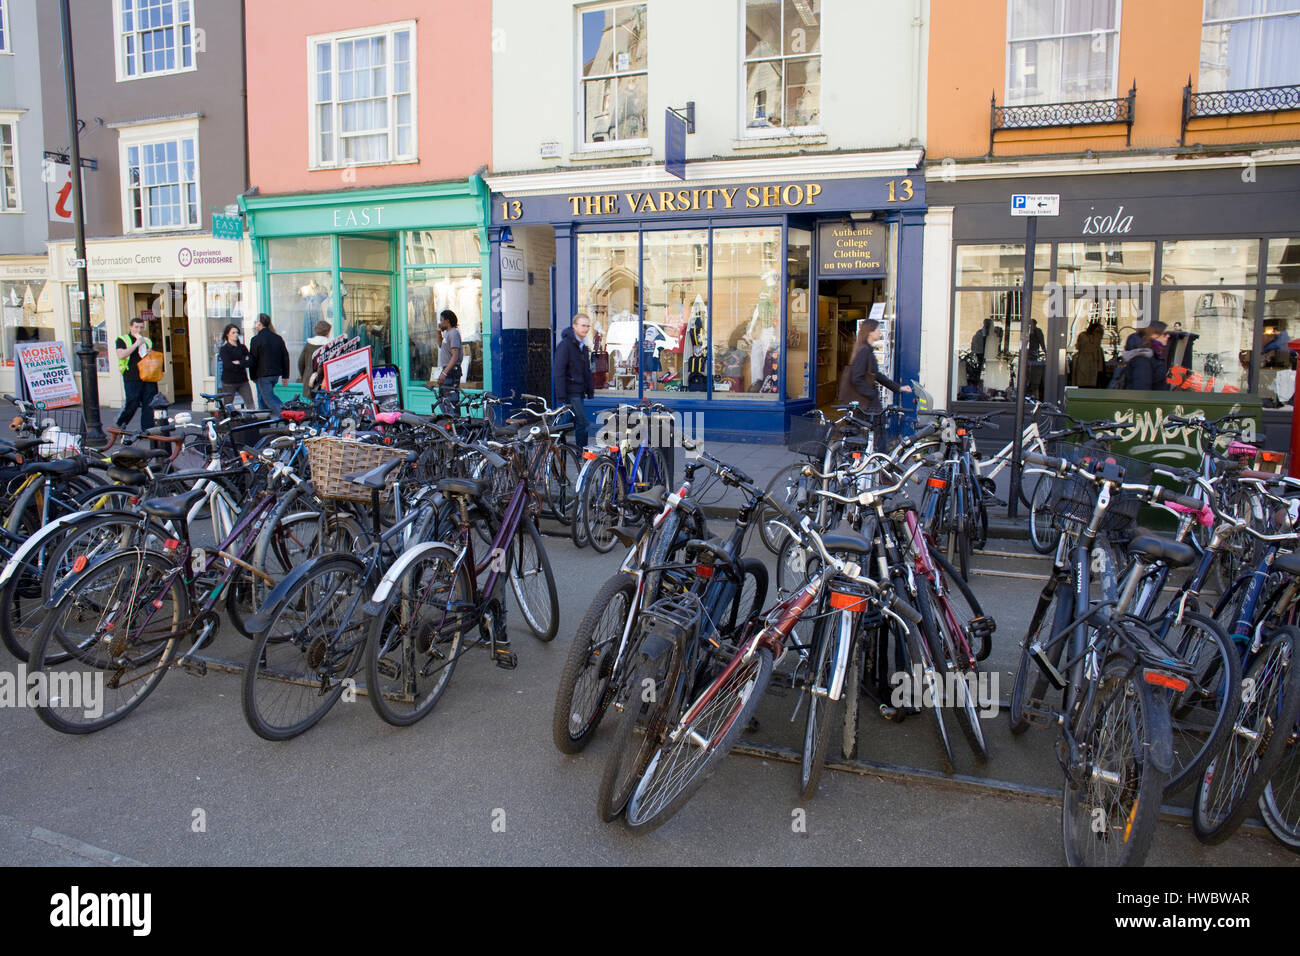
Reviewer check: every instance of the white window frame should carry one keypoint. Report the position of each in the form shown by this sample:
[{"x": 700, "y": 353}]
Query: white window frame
[
  {"x": 119, "y": 53},
  {"x": 1114, "y": 78},
  {"x": 6, "y": 42},
  {"x": 580, "y": 137},
  {"x": 313, "y": 132},
  {"x": 10, "y": 118},
  {"x": 151, "y": 134},
  {"x": 1255, "y": 53},
  {"x": 742, "y": 118}
]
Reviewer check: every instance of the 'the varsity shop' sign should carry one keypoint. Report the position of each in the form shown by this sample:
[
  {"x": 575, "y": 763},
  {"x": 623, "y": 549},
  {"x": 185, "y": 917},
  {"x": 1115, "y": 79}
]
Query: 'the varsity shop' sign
[{"x": 675, "y": 200}]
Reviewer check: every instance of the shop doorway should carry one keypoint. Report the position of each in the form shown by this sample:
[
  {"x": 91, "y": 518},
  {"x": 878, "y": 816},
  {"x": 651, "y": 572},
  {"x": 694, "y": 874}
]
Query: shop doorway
[
  {"x": 842, "y": 304},
  {"x": 162, "y": 307}
]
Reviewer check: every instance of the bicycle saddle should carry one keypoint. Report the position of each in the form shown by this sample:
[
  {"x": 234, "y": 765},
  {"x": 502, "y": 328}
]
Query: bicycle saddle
[
  {"x": 63, "y": 466},
  {"x": 1288, "y": 563},
  {"x": 173, "y": 507},
  {"x": 376, "y": 477},
  {"x": 127, "y": 476},
  {"x": 136, "y": 457},
  {"x": 652, "y": 499},
  {"x": 846, "y": 543},
  {"x": 1171, "y": 552},
  {"x": 460, "y": 487}
]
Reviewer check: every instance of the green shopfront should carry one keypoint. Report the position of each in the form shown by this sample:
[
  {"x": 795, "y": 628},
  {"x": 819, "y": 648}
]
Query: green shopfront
[{"x": 379, "y": 264}]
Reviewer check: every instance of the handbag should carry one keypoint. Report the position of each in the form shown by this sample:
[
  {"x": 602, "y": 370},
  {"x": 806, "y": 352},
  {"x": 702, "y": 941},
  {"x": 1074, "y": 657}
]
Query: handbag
[
  {"x": 151, "y": 367},
  {"x": 1121, "y": 376}
]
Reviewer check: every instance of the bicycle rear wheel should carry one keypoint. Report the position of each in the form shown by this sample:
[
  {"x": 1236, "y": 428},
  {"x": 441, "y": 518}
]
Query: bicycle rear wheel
[
  {"x": 1030, "y": 688},
  {"x": 1201, "y": 716},
  {"x": 694, "y": 748},
  {"x": 1043, "y": 532},
  {"x": 784, "y": 487},
  {"x": 585, "y": 683},
  {"x": 532, "y": 581},
  {"x": 312, "y": 644},
  {"x": 1280, "y": 804},
  {"x": 653, "y": 693},
  {"x": 599, "y": 507},
  {"x": 1109, "y": 817}
]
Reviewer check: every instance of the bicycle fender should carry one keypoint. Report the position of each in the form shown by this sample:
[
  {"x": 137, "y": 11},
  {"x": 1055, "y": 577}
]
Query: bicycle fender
[
  {"x": 25, "y": 499},
  {"x": 655, "y": 646},
  {"x": 35, "y": 541},
  {"x": 260, "y": 621},
  {"x": 380, "y": 597},
  {"x": 1159, "y": 734}
]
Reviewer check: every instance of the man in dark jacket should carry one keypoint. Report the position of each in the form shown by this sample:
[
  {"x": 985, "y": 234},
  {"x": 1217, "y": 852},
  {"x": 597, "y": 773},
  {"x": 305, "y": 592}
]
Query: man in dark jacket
[
  {"x": 571, "y": 370},
  {"x": 270, "y": 359}
]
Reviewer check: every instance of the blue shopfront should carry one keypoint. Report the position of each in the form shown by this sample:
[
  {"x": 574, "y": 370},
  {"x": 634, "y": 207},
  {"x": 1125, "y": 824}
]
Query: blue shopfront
[{"x": 735, "y": 303}]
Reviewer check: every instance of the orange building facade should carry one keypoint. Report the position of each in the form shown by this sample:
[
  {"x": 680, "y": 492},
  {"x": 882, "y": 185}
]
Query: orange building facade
[{"x": 1170, "y": 131}]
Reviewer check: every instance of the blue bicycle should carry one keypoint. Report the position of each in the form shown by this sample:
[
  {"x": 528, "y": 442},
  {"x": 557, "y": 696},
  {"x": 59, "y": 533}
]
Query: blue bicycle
[{"x": 609, "y": 475}]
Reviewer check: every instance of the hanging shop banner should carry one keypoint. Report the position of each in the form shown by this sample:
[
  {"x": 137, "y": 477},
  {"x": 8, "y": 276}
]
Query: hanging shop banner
[
  {"x": 47, "y": 374},
  {"x": 340, "y": 371},
  {"x": 852, "y": 250}
]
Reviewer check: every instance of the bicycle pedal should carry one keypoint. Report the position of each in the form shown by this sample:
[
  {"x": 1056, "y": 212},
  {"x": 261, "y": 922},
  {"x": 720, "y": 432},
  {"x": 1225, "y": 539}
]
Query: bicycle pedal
[
  {"x": 1038, "y": 715},
  {"x": 894, "y": 714},
  {"x": 195, "y": 667},
  {"x": 505, "y": 658}
]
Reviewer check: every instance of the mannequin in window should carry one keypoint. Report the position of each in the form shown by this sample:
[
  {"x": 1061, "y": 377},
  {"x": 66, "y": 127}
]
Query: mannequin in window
[{"x": 696, "y": 370}]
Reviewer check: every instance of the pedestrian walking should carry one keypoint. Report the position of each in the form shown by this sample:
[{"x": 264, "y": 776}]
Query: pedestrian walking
[
  {"x": 305, "y": 371},
  {"x": 864, "y": 375},
  {"x": 138, "y": 394},
  {"x": 270, "y": 359},
  {"x": 447, "y": 381},
  {"x": 571, "y": 371},
  {"x": 235, "y": 365}
]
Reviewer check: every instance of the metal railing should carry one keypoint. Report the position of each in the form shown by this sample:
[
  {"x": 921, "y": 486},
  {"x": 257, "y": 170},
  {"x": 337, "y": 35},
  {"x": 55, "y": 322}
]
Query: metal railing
[
  {"x": 1268, "y": 99},
  {"x": 1079, "y": 113}
]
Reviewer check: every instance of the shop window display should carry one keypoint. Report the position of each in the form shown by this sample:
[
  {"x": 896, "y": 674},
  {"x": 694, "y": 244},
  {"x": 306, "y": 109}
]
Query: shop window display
[
  {"x": 609, "y": 292},
  {"x": 430, "y": 291},
  {"x": 674, "y": 335},
  {"x": 28, "y": 310},
  {"x": 746, "y": 312},
  {"x": 798, "y": 273}
]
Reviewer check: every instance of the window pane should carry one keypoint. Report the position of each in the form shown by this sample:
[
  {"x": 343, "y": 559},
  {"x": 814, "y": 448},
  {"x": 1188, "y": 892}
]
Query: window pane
[
  {"x": 987, "y": 343},
  {"x": 402, "y": 46},
  {"x": 363, "y": 254},
  {"x": 1085, "y": 16},
  {"x": 1035, "y": 72},
  {"x": 763, "y": 95},
  {"x": 762, "y": 28},
  {"x": 630, "y": 38},
  {"x": 1227, "y": 55},
  {"x": 302, "y": 252},
  {"x": 1283, "y": 261},
  {"x": 1000, "y": 264},
  {"x": 632, "y": 101},
  {"x": 746, "y": 312},
  {"x": 1098, "y": 263},
  {"x": 798, "y": 273},
  {"x": 1278, "y": 63},
  {"x": 803, "y": 92},
  {"x": 674, "y": 336},
  {"x": 431, "y": 247},
  {"x": 599, "y": 111},
  {"x": 1087, "y": 68},
  {"x": 427, "y": 294},
  {"x": 608, "y": 293},
  {"x": 298, "y": 301},
  {"x": 802, "y": 27},
  {"x": 597, "y": 42},
  {"x": 1212, "y": 338},
  {"x": 1210, "y": 262},
  {"x": 1032, "y": 18},
  {"x": 1277, "y": 362},
  {"x": 367, "y": 313}
]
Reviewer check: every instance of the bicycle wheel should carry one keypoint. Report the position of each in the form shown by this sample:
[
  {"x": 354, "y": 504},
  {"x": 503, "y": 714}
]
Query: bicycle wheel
[
  {"x": 822, "y": 712},
  {"x": 1030, "y": 688},
  {"x": 109, "y": 640},
  {"x": 1200, "y": 717},
  {"x": 311, "y": 645},
  {"x": 707, "y": 732},
  {"x": 1109, "y": 818},
  {"x": 559, "y": 475},
  {"x": 1043, "y": 532},
  {"x": 651, "y": 471},
  {"x": 415, "y": 640},
  {"x": 652, "y": 694},
  {"x": 784, "y": 487},
  {"x": 578, "y": 526},
  {"x": 852, "y": 698},
  {"x": 532, "y": 581},
  {"x": 599, "y": 507},
  {"x": 1280, "y": 803},
  {"x": 1264, "y": 724},
  {"x": 585, "y": 688},
  {"x": 955, "y": 669},
  {"x": 923, "y": 674}
]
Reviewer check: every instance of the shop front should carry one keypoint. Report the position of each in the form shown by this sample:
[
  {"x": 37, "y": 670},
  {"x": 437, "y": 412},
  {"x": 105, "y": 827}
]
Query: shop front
[
  {"x": 733, "y": 296},
  {"x": 186, "y": 290},
  {"x": 380, "y": 265},
  {"x": 1212, "y": 253},
  {"x": 27, "y": 298}
]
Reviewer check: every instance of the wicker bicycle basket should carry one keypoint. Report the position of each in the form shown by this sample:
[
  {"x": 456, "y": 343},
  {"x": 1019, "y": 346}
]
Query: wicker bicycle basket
[
  {"x": 1074, "y": 497},
  {"x": 332, "y": 458}
]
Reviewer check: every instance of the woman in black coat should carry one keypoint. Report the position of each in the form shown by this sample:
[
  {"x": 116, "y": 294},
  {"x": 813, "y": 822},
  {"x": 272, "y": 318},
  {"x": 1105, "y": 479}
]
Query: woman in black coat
[
  {"x": 235, "y": 364},
  {"x": 859, "y": 383},
  {"x": 1144, "y": 353}
]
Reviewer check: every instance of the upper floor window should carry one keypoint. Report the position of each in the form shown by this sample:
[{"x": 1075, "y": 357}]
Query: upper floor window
[
  {"x": 10, "y": 197},
  {"x": 1249, "y": 44},
  {"x": 154, "y": 37},
  {"x": 614, "y": 80},
  {"x": 5, "y": 45},
  {"x": 1061, "y": 51},
  {"x": 160, "y": 176},
  {"x": 783, "y": 64},
  {"x": 363, "y": 96}
]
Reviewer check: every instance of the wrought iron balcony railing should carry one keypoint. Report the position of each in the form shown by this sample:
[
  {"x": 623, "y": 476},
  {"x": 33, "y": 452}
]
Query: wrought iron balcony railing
[
  {"x": 1268, "y": 99},
  {"x": 1047, "y": 115}
]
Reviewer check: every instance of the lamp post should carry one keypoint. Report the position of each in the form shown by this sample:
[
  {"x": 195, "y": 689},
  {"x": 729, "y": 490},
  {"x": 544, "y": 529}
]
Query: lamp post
[{"x": 85, "y": 348}]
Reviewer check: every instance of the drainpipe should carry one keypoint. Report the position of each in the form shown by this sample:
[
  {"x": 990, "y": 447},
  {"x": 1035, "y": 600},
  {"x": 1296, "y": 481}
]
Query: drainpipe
[{"x": 920, "y": 86}]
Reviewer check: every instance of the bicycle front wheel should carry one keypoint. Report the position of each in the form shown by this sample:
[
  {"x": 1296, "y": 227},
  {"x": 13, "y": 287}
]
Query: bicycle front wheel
[
  {"x": 585, "y": 690},
  {"x": 599, "y": 507},
  {"x": 108, "y": 641},
  {"x": 1043, "y": 532},
  {"x": 1111, "y": 802},
  {"x": 693, "y": 749},
  {"x": 784, "y": 487},
  {"x": 1201, "y": 716},
  {"x": 532, "y": 582},
  {"x": 822, "y": 712},
  {"x": 415, "y": 640},
  {"x": 312, "y": 645},
  {"x": 1280, "y": 804}
]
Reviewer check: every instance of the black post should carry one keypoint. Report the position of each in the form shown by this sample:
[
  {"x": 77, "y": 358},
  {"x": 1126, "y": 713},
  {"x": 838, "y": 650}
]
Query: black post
[
  {"x": 85, "y": 349},
  {"x": 1022, "y": 367}
]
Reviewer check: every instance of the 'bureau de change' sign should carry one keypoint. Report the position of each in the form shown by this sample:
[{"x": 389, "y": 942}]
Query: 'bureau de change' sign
[{"x": 852, "y": 250}]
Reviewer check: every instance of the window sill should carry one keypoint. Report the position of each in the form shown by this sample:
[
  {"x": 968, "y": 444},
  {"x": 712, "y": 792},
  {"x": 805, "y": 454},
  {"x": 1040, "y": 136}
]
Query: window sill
[
  {"x": 387, "y": 162},
  {"x": 780, "y": 141},
  {"x": 611, "y": 152},
  {"x": 122, "y": 78}
]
